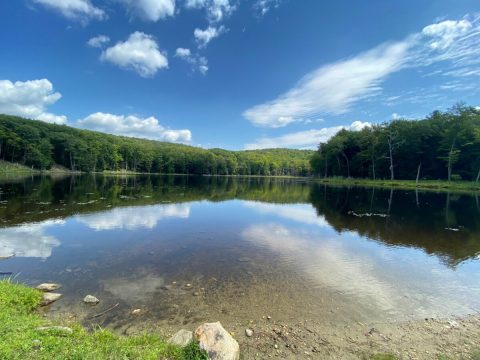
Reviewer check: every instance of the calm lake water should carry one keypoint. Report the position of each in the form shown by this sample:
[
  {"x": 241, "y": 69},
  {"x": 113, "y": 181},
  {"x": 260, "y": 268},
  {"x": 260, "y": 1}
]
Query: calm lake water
[{"x": 247, "y": 247}]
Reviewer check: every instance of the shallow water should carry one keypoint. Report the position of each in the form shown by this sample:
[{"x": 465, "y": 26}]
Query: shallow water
[{"x": 247, "y": 247}]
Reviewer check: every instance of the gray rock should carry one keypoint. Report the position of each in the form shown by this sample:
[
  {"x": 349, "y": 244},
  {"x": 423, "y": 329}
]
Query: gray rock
[
  {"x": 182, "y": 338},
  {"x": 49, "y": 298},
  {"x": 58, "y": 329},
  {"x": 91, "y": 300},
  {"x": 47, "y": 287},
  {"x": 249, "y": 332},
  {"x": 217, "y": 342}
]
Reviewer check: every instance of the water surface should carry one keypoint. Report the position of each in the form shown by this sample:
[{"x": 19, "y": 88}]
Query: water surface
[{"x": 186, "y": 250}]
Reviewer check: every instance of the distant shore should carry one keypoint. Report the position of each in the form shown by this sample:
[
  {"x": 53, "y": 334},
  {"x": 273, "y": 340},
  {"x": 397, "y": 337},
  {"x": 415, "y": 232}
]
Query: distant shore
[{"x": 437, "y": 185}]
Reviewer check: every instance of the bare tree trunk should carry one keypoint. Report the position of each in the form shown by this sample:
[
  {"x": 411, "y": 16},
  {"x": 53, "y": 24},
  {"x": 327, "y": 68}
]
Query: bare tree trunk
[
  {"x": 478, "y": 176},
  {"x": 450, "y": 159},
  {"x": 418, "y": 173},
  {"x": 373, "y": 166},
  {"x": 390, "y": 148},
  {"x": 326, "y": 168},
  {"x": 348, "y": 164}
]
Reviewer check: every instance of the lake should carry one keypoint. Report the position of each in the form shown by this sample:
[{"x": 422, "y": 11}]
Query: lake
[{"x": 186, "y": 250}]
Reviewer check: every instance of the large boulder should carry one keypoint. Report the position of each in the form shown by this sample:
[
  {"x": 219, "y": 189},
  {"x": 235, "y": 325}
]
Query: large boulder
[
  {"x": 217, "y": 342},
  {"x": 182, "y": 338}
]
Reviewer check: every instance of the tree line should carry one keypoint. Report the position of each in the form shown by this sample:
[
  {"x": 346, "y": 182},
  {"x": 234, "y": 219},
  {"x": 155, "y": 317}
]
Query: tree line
[
  {"x": 41, "y": 146},
  {"x": 445, "y": 145}
]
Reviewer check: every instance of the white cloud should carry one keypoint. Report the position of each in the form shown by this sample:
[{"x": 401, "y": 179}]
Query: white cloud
[
  {"x": 308, "y": 139},
  {"x": 132, "y": 218},
  {"x": 151, "y": 10},
  {"x": 140, "y": 53},
  {"x": 80, "y": 10},
  {"x": 183, "y": 53},
  {"x": 29, "y": 240},
  {"x": 133, "y": 126},
  {"x": 332, "y": 88},
  {"x": 301, "y": 213},
  {"x": 203, "y": 37},
  {"x": 216, "y": 10},
  {"x": 264, "y": 6},
  {"x": 198, "y": 62},
  {"x": 444, "y": 33},
  {"x": 98, "y": 41},
  {"x": 29, "y": 99}
]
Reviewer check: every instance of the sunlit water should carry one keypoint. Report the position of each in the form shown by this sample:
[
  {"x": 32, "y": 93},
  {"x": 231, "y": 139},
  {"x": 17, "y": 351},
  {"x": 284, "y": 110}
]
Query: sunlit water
[{"x": 247, "y": 247}]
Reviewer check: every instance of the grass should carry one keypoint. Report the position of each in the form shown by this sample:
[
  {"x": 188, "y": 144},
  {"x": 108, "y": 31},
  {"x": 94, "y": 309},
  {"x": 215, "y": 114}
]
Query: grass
[
  {"x": 14, "y": 168},
  {"x": 20, "y": 339},
  {"x": 438, "y": 185}
]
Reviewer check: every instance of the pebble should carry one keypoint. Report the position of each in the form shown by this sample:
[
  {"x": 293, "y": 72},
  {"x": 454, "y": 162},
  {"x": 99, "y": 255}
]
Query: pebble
[
  {"x": 136, "y": 311},
  {"x": 90, "y": 299},
  {"x": 275, "y": 346},
  {"x": 196, "y": 293},
  {"x": 249, "y": 332}
]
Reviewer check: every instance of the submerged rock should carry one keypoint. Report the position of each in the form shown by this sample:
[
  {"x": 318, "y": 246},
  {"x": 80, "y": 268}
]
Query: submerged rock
[
  {"x": 60, "y": 329},
  {"x": 182, "y": 338},
  {"x": 47, "y": 287},
  {"x": 91, "y": 300},
  {"x": 49, "y": 298},
  {"x": 217, "y": 342}
]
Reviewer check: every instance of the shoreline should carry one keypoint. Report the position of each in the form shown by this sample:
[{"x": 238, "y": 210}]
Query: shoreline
[
  {"x": 44, "y": 337},
  {"x": 423, "y": 185}
]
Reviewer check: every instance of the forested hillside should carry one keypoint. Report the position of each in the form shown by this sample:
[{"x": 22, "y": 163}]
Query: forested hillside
[
  {"x": 40, "y": 145},
  {"x": 445, "y": 145}
]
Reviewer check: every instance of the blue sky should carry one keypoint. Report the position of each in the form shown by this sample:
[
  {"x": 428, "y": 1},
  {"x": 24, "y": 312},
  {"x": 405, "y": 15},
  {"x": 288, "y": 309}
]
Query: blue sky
[{"x": 236, "y": 74}]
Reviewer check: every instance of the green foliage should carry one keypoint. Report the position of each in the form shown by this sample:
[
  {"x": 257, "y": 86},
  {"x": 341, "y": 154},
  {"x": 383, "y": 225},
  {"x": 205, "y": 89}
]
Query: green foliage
[
  {"x": 20, "y": 339},
  {"x": 193, "y": 352},
  {"x": 445, "y": 145},
  {"x": 40, "y": 145}
]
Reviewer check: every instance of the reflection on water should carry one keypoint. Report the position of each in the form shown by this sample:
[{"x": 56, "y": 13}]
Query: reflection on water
[
  {"x": 289, "y": 247},
  {"x": 132, "y": 218},
  {"x": 29, "y": 240}
]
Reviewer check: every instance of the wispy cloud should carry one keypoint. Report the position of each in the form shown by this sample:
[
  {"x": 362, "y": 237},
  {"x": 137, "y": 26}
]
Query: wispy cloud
[
  {"x": 98, "y": 41},
  {"x": 203, "y": 37},
  {"x": 216, "y": 10},
  {"x": 262, "y": 7},
  {"x": 78, "y": 10},
  {"x": 333, "y": 88},
  {"x": 308, "y": 139},
  {"x": 199, "y": 63}
]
